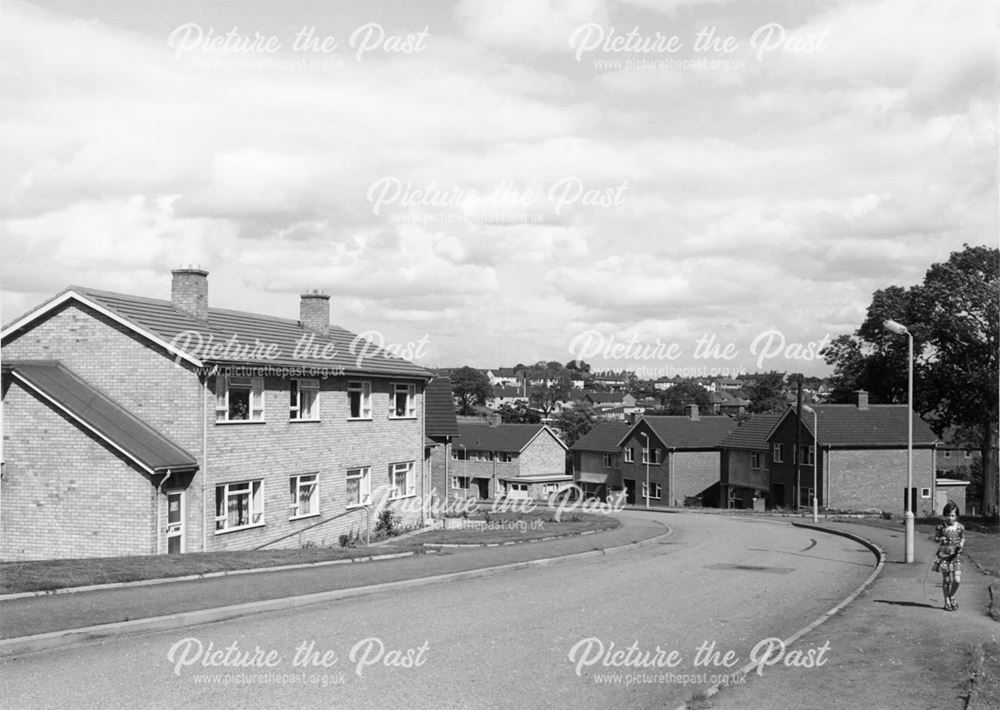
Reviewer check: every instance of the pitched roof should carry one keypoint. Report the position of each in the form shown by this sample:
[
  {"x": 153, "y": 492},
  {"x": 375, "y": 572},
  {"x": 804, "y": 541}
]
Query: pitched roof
[
  {"x": 503, "y": 437},
  {"x": 237, "y": 337},
  {"x": 439, "y": 408},
  {"x": 751, "y": 434},
  {"x": 845, "y": 426},
  {"x": 98, "y": 413},
  {"x": 604, "y": 437},
  {"x": 605, "y": 397},
  {"x": 681, "y": 432}
]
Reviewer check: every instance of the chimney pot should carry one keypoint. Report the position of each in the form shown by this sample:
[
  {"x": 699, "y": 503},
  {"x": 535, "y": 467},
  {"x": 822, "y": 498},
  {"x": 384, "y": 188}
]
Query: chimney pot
[
  {"x": 189, "y": 292},
  {"x": 693, "y": 412},
  {"x": 862, "y": 399},
  {"x": 314, "y": 312}
]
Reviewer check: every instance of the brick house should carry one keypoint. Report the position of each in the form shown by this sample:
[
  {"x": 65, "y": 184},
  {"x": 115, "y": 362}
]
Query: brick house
[
  {"x": 683, "y": 458},
  {"x": 506, "y": 460},
  {"x": 597, "y": 460},
  {"x": 745, "y": 476},
  {"x": 441, "y": 429},
  {"x": 862, "y": 458},
  {"x": 137, "y": 426}
]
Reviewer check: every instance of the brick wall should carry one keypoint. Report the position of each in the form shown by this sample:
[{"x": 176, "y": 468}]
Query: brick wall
[
  {"x": 64, "y": 493},
  {"x": 875, "y": 480},
  {"x": 693, "y": 472},
  {"x": 544, "y": 456}
]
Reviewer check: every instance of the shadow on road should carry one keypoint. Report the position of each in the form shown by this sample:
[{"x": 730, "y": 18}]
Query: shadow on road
[{"x": 919, "y": 604}]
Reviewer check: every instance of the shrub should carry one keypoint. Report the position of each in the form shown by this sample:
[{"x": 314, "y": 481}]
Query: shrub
[{"x": 388, "y": 522}]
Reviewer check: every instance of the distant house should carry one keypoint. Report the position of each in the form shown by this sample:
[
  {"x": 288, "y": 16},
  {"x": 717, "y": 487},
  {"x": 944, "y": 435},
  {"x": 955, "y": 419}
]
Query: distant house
[
  {"x": 615, "y": 399},
  {"x": 505, "y": 377},
  {"x": 597, "y": 460},
  {"x": 679, "y": 455},
  {"x": 505, "y": 395},
  {"x": 506, "y": 460},
  {"x": 137, "y": 426},
  {"x": 745, "y": 475},
  {"x": 726, "y": 402},
  {"x": 862, "y": 459}
]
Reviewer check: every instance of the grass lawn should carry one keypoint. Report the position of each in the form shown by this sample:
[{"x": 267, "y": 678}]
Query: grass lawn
[{"x": 48, "y": 575}]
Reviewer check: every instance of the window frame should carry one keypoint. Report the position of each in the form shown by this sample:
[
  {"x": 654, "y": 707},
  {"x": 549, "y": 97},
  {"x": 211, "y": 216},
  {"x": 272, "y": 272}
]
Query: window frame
[
  {"x": 409, "y": 477},
  {"x": 255, "y": 504},
  {"x": 295, "y": 387},
  {"x": 629, "y": 454},
  {"x": 364, "y": 389},
  {"x": 455, "y": 483},
  {"x": 410, "y": 402},
  {"x": 778, "y": 452},
  {"x": 296, "y": 485},
  {"x": 364, "y": 476},
  {"x": 756, "y": 460},
  {"x": 807, "y": 455},
  {"x": 254, "y": 386}
]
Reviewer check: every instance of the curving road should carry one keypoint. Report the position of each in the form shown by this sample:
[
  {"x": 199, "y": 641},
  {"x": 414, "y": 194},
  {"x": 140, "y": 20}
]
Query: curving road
[{"x": 648, "y": 627}]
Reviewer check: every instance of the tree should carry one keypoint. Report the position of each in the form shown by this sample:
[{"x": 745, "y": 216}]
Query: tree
[
  {"x": 517, "y": 413},
  {"x": 766, "y": 393},
  {"x": 953, "y": 318},
  {"x": 575, "y": 422},
  {"x": 548, "y": 383},
  {"x": 471, "y": 387},
  {"x": 676, "y": 399}
]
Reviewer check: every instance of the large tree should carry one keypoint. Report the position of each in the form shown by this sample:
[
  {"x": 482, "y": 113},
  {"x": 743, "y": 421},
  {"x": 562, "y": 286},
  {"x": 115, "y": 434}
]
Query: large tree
[
  {"x": 766, "y": 393},
  {"x": 676, "y": 399},
  {"x": 471, "y": 387},
  {"x": 953, "y": 318},
  {"x": 575, "y": 422},
  {"x": 548, "y": 383}
]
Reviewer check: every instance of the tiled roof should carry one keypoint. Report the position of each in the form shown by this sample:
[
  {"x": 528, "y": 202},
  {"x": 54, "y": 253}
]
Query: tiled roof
[
  {"x": 507, "y": 392},
  {"x": 503, "y": 437},
  {"x": 293, "y": 344},
  {"x": 879, "y": 426},
  {"x": 606, "y": 397},
  {"x": 751, "y": 435},
  {"x": 439, "y": 408},
  {"x": 604, "y": 437},
  {"x": 103, "y": 416},
  {"x": 680, "y": 432}
]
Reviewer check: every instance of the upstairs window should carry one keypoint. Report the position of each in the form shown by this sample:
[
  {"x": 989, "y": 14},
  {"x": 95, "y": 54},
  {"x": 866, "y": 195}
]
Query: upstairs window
[
  {"x": 404, "y": 401},
  {"x": 779, "y": 453},
  {"x": 239, "y": 399},
  {"x": 303, "y": 401},
  {"x": 756, "y": 460},
  {"x": 359, "y": 397},
  {"x": 629, "y": 455}
]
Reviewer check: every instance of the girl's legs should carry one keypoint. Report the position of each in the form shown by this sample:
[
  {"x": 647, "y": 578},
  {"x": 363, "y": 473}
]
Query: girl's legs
[
  {"x": 956, "y": 578},
  {"x": 946, "y": 583}
]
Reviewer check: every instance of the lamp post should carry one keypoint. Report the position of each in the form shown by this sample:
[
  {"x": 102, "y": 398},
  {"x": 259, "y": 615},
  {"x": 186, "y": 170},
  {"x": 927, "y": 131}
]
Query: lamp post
[
  {"x": 900, "y": 329},
  {"x": 646, "y": 456},
  {"x": 807, "y": 408}
]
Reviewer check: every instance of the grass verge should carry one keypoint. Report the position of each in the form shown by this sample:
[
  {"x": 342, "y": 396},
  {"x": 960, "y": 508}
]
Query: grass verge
[{"x": 984, "y": 677}]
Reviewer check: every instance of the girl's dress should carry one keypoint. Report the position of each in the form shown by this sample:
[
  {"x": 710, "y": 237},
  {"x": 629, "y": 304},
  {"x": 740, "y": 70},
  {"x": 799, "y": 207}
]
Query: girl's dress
[{"x": 950, "y": 539}]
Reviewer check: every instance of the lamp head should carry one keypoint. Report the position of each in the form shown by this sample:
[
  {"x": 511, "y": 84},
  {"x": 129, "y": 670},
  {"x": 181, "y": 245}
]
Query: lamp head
[{"x": 897, "y": 328}]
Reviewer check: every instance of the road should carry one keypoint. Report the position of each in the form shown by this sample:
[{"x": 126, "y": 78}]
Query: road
[{"x": 631, "y": 629}]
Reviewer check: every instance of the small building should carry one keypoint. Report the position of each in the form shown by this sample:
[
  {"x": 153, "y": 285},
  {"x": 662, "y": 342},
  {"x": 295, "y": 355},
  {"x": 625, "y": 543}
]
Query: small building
[{"x": 597, "y": 460}]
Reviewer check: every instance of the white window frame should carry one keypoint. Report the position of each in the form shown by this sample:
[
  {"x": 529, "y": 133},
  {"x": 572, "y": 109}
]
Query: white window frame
[
  {"x": 295, "y": 408},
  {"x": 629, "y": 455},
  {"x": 807, "y": 455},
  {"x": 409, "y": 391},
  {"x": 656, "y": 457},
  {"x": 607, "y": 461},
  {"x": 254, "y": 490},
  {"x": 549, "y": 488},
  {"x": 657, "y": 490},
  {"x": 298, "y": 484},
  {"x": 968, "y": 454},
  {"x": 778, "y": 453},
  {"x": 505, "y": 457},
  {"x": 363, "y": 475},
  {"x": 947, "y": 453},
  {"x": 756, "y": 460},
  {"x": 456, "y": 482},
  {"x": 225, "y": 384},
  {"x": 364, "y": 389},
  {"x": 404, "y": 469}
]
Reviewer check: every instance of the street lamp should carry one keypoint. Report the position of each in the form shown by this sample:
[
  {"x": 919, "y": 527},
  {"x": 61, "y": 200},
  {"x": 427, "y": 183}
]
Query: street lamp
[
  {"x": 816, "y": 457},
  {"x": 900, "y": 329},
  {"x": 646, "y": 437}
]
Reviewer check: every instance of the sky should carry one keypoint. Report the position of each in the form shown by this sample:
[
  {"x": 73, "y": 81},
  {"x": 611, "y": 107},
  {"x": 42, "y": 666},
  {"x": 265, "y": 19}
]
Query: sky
[{"x": 674, "y": 187}]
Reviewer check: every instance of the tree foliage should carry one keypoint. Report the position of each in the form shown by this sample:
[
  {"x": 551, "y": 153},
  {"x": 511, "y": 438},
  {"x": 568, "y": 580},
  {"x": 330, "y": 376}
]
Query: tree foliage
[
  {"x": 518, "y": 413},
  {"x": 471, "y": 388},
  {"x": 953, "y": 318},
  {"x": 548, "y": 383},
  {"x": 575, "y": 422},
  {"x": 676, "y": 399},
  {"x": 766, "y": 393}
]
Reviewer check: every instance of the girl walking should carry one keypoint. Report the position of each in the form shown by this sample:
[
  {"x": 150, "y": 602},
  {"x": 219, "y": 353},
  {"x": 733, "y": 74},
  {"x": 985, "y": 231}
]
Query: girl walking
[{"x": 950, "y": 537}]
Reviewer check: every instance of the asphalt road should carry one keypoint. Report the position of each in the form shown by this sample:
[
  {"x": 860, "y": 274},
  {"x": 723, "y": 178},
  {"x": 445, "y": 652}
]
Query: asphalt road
[{"x": 623, "y": 630}]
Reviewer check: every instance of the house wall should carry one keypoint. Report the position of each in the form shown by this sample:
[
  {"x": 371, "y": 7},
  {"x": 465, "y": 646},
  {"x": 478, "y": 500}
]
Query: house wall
[
  {"x": 693, "y": 473},
  {"x": 543, "y": 456},
  {"x": 784, "y": 482},
  {"x": 876, "y": 480},
  {"x": 65, "y": 493}
]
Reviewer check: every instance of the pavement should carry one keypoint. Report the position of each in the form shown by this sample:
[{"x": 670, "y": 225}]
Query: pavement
[{"x": 889, "y": 644}]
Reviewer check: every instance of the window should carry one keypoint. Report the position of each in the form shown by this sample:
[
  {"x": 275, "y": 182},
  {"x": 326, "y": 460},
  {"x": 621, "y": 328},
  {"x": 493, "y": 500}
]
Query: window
[
  {"x": 359, "y": 396},
  {"x": 359, "y": 486},
  {"x": 657, "y": 490},
  {"x": 238, "y": 505},
  {"x": 629, "y": 455},
  {"x": 947, "y": 453},
  {"x": 756, "y": 460},
  {"x": 607, "y": 460},
  {"x": 779, "y": 454},
  {"x": 404, "y": 401},
  {"x": 805, "y": 497},
  {"x": 505, "y": 457},
  {"x": 305, "y": 499},
  {"x": 655, "y": 456},
  {"x": 401, "y": 479},
  {"x": 458, "y": 454},
  {"x": 968, "y": 454},
  {"x": 925, "y": 492},
  {"x": 462, "y": 483},
  {"x": 807, "y": 455},
  {"x": 239, "y": 399},
  {"x": 549, "y": 488},
  {"x": 303, "y": 401}
]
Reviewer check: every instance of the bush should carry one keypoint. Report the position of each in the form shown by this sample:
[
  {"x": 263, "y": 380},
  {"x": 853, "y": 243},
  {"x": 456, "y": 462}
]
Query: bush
[
  {"x": 388, "y": 522},
  {"x": 351, "y": 540}
]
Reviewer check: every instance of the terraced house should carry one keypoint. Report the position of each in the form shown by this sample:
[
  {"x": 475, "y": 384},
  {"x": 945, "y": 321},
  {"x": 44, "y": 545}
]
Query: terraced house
[{"x": 136, "y": 426}]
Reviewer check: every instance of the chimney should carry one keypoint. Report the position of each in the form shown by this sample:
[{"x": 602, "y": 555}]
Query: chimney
[
  {"x": 693, "y": 412},
  {"x": 862, "y": 400},
  {"x": 314, "y": 312},
  {"x": 189, "y": 292}
]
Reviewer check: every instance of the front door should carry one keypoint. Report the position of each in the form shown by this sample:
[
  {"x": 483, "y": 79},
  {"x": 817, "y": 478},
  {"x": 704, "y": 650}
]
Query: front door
[
  {"x": 175, "y": 522},
  {"x": 629, "y": 491}
]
